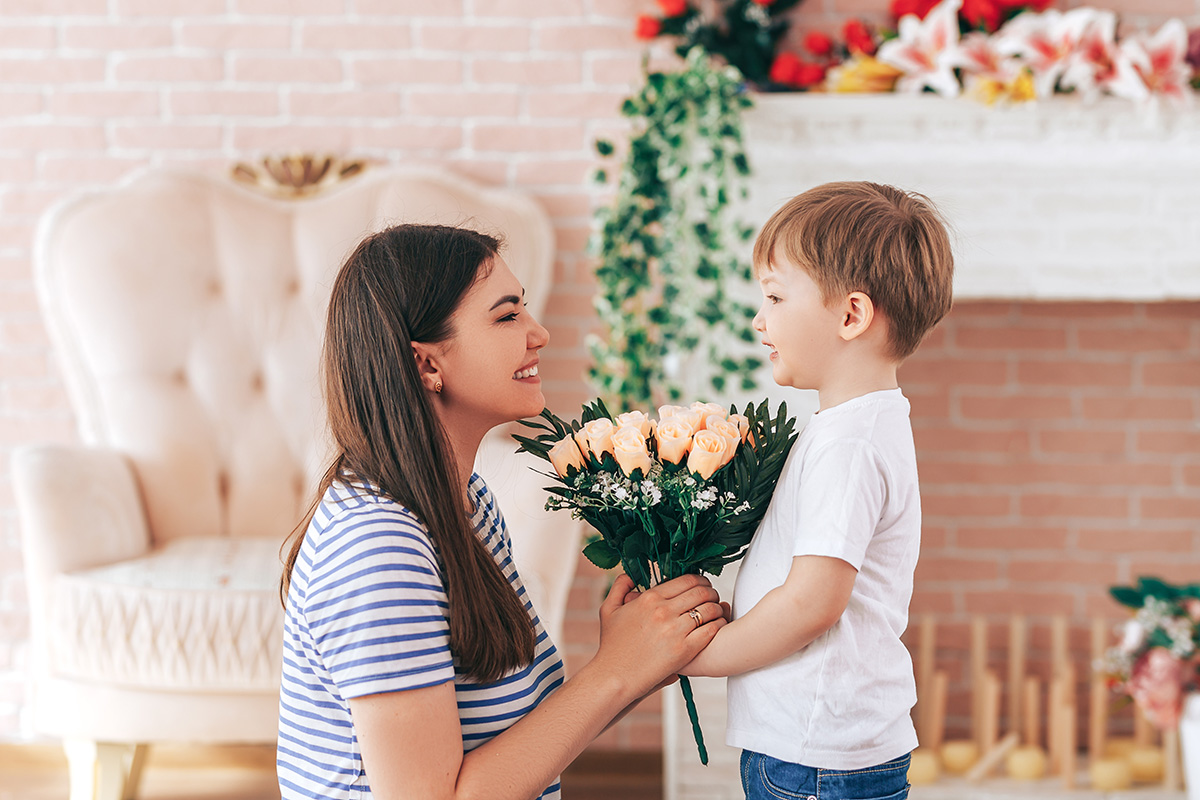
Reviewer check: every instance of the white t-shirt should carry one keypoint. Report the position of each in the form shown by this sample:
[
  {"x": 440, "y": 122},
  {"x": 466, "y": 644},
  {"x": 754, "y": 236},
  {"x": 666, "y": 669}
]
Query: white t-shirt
[{"x": 849, "y": 491}]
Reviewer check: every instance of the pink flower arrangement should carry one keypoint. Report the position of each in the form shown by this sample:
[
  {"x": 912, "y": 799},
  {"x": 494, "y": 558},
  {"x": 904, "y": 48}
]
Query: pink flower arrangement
[
  {"x": 991, "y": 50},
  {"x": 1157, "y": 662}
]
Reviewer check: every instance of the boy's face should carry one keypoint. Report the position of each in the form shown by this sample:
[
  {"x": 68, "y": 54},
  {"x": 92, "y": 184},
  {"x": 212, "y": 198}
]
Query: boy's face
[{"x": 800, "y": 329}]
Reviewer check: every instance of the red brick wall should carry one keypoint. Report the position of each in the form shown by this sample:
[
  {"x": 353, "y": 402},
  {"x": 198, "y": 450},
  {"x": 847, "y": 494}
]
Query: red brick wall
[
  {"x": 513, "y": 92},
  {"x": 1059, "y": 453}
]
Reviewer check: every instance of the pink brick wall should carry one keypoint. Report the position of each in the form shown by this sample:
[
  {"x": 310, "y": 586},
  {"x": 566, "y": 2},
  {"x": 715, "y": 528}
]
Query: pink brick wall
[{"x": 513, "y": 92}]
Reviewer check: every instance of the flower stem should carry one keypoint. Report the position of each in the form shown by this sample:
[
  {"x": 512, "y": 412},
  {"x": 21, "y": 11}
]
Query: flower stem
[{"x": 686, "y": 687}]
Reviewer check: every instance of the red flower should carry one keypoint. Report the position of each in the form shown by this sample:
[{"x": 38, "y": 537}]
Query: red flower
[
  {"x": 647, "y": 27},
  {"x": 764, "y": 2},
  {"x": 818, "y": 44},
  {"x": 790, "y": 70},
  {"x": 901, "y": 8},
  {"x": 858, "y": 38},
  {"x": 982, "y": 13},
  {"x": 673, "y": 8},
  {"x": 809, "y": 74},
  {"x": 785, "y": 68}
]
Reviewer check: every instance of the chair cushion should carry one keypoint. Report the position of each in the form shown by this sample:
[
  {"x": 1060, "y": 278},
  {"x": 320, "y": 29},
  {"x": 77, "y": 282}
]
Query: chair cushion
[{"x": 196, "y": 614}]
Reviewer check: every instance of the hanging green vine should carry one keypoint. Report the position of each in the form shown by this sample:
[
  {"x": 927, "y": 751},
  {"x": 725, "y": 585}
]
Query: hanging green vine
[{"x": 669, "y": 246}]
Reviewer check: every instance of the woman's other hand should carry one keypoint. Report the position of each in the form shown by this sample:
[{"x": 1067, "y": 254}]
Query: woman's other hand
[{"x": 647, "y": 637}]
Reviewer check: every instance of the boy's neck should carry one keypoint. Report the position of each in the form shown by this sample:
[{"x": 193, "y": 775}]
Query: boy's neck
[{"x": 855, "y": 380}]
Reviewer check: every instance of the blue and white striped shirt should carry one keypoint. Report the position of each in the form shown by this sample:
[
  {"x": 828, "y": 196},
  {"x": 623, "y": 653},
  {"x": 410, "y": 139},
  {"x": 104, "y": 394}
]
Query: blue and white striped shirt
[{"x": 367, "y": 613}]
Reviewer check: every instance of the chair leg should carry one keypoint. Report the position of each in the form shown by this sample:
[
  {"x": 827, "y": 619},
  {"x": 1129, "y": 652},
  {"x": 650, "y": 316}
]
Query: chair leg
[
  {"x": 97, "y": 769},
  {"x": 133, "y": 778}
]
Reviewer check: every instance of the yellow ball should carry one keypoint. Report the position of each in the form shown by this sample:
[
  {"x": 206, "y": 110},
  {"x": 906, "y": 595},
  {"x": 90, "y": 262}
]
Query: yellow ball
[
  {"x": 924, "y": 768},
  {"x": 1147, "y": 764},
  {"x": 1026, "y": 763},
  {"x": 1119, "y": 746},
  {"x": 959, "y": 756},
  {"x": 1111, "y": 774}
]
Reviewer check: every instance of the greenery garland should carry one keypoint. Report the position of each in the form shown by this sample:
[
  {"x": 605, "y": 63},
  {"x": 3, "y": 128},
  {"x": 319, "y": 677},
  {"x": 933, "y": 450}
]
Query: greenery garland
[{"x": 669, "y": 247}]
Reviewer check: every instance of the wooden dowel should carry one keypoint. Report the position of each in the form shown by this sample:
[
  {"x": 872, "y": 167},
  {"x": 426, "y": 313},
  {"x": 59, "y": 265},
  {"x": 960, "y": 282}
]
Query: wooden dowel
[
  {"x": 993, "y": 756},
  {"x": 1032, "y": 696},
  {"x": 990, "y": 712},
  {"x": 1068, "y": 733},
  {"x": 978, "y": 664},
  {"x": 1172, "y": 779},
  {"x": 1054, "y": 704},
  {"x": 926, "y": 652},
  {"x": 1143, "y": 729},
  {"x": 1016, "y": 670},
  {"x": 1098, "y": 709},
  {"x": 1059, "y": 656},
  {"x": 937, "y": 730}
]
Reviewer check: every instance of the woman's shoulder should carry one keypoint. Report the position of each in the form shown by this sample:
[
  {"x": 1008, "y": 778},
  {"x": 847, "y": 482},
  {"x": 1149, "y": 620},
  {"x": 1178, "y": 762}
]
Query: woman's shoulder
[{"x": 352, "y": 511}]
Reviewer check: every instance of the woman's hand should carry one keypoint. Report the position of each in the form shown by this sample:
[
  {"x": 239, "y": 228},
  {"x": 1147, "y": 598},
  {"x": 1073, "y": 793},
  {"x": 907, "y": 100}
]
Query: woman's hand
[{"x": 647, "y": 637}]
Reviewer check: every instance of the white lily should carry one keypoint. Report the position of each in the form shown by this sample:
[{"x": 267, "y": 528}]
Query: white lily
[
  {"x": 1045, "y": 43},
  {"x": 1161, "y": 60},
  {"x": 926, "y": 50},
  {"x": 1100, "y": 65}
]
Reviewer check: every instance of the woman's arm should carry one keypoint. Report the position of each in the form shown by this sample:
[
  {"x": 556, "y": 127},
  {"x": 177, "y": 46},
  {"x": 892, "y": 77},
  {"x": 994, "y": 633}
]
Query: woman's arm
[
  {"x": 810, "y": 601},
  {"x": 412, "y": 744}
]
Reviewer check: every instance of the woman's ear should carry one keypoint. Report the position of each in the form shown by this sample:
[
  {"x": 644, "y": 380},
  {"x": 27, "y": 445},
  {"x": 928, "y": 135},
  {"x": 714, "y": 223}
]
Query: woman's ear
[
  {"x": 427, "y": 367},
  {"x": 858, "y": 312}
]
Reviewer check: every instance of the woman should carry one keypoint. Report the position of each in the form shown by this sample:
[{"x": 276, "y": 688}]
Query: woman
[{"x": 414, "y": 664}]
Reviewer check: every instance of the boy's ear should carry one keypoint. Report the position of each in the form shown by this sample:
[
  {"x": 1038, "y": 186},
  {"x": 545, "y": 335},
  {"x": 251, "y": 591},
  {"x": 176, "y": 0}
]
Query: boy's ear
[
  {"x": 857, "y": 314},
  {"x": 427, "y": 366}
]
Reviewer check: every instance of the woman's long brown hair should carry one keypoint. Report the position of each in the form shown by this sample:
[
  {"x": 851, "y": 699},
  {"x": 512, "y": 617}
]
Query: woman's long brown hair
[{"x": 398, "y": 287}]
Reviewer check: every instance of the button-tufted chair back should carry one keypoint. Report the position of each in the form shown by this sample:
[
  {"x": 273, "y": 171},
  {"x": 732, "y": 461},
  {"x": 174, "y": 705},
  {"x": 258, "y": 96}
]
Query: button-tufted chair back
[{"x": 188, "y": 311}]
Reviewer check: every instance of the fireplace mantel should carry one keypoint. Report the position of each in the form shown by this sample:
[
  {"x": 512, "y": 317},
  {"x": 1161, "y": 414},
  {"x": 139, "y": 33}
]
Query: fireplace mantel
[{"x": 1058, "y": 200}]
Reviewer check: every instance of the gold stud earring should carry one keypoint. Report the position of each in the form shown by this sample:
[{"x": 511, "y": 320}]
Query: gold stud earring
[{"x": 437, "y": 387}]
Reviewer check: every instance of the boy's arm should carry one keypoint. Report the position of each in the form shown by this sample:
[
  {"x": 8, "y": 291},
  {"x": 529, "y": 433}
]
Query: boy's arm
[{"x": 811, "y": 599}]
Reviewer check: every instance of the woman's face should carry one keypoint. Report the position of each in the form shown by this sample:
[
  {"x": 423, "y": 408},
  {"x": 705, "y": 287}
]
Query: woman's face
[{"x": 489, "y": 365}]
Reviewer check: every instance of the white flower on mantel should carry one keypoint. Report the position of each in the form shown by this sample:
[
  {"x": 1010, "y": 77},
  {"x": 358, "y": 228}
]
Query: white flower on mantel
[
  {"x": 926, "y": 50},
  {"x": 1161, "y": 60},
  {"x": 1045, "y": 43},
  {"x": 1099, "y": 64},
  {"x": 980, "y": 59}
]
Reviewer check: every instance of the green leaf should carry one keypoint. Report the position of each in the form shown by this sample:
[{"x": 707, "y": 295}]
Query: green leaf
[{"x": 602, "y": 554}]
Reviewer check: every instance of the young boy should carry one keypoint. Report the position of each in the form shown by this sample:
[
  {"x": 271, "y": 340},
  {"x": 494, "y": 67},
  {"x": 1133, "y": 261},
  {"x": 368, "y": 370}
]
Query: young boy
[{"x": 820, "y": 689}]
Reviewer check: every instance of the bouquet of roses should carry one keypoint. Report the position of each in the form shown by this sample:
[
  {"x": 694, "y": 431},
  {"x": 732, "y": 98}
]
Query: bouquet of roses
[
  {"x": 1158, "y": 660},
  {"x": 680, "y": 495}
]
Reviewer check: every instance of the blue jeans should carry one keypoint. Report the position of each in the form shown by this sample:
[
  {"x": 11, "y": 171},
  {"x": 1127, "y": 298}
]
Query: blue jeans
[{"x": 766, "y": 778}]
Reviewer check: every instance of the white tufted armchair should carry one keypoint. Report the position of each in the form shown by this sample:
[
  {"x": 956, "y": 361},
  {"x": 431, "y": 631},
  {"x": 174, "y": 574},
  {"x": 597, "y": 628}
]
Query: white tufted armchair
[{"x": 186, "y": 312}]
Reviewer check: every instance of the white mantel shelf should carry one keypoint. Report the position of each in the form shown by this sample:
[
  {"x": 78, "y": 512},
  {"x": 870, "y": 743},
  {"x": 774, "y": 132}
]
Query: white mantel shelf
[{"x": 1057, "y": 200}]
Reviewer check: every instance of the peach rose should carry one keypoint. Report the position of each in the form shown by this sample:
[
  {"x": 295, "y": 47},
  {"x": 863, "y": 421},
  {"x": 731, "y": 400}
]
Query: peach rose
[
  {"x": 636, "y": 419},
  {"x": 708, "y": 453},
  {"x": 692, "y": 418},
  {"x": 595, "y": 437},
  {"x": 707, "y": 409},
  {"x": 629, "y": 448},
  {"x": 565, "y": 455},
  {"x": 743, "y": 424},
  {"x": 726, "y": 430},
  {"x": 674, "y": 437},
  {"x": 668, "y": 411}
]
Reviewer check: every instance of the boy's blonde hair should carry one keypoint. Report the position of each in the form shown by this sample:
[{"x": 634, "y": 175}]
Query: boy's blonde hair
[{"x": 866, "y": 237}]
